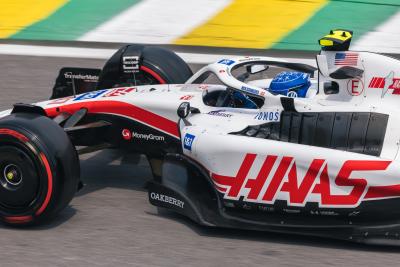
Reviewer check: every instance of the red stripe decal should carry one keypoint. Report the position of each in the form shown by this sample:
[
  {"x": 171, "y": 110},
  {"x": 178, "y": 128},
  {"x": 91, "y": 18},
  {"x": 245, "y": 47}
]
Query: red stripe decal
[
  {"x": 277, "y": 178},
  {"x": 255, "y": 185},
  {"x": 154, "y": 74},
  {"x": 222, "y": 180},
  {"x": 120, "y": 108},
  {"x": 383, "y": 191},
  {"x": 242, "y": 174},
  {"x": 49, "y": 184},
  {"x": 381, "y": 82},
  {"x": 376, "y": 83},
  {"x": 372, "y": 83},
  {"x": 220, "y": 189}
]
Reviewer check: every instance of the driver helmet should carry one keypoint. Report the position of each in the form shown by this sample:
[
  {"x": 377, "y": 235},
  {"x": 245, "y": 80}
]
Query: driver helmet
[
  {"x": 243, "y": 101},
  {"x": 291, "y": 84}
]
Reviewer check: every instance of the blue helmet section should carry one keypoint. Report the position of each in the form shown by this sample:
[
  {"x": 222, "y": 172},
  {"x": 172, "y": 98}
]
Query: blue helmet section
[
  {"x": 291, "y": 83},
  {"x": 247, "y": 103}
]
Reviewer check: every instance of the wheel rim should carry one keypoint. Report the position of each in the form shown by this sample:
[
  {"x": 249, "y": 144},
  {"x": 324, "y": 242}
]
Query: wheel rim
[
  {"x": 12, "y": 177},
  {"x": 19, "y": 179}
]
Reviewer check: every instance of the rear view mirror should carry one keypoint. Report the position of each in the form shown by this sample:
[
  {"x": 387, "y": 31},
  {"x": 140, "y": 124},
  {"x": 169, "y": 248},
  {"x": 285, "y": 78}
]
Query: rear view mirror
[
  {"x": 183, "y": 110},
  {"x": 253, "y": 69},
  {"x": 331, "y": 88},
  {"x": 346, "y": 72}
]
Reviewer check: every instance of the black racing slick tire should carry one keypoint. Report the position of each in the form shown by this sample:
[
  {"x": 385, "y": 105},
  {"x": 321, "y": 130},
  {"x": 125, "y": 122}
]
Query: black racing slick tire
[
  {"x": 156, "y": 65},
  {"x": 39, "y": 169},
  {"x": 166, "y": 64}
]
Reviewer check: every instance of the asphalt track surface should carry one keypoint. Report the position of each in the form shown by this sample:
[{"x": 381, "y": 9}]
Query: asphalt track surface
[{"x": 111, "y": 223}]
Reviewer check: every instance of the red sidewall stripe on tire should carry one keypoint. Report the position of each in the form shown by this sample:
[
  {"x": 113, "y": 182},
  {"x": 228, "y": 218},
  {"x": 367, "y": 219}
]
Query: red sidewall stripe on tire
[
  {"x": 154, "y": 74},
  {"x": 15, "y": 134},
  {"x": 49, "y": 185},
  {"x": 123, "y": 109},
  {"x": 18, "y": 219},
  {"x": 28, "y": 218}
]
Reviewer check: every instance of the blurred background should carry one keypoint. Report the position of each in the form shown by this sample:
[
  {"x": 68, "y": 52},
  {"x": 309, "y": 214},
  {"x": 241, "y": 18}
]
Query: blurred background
[
  {"x": 110, "y": 222},
  {"x": 263, "y": 24}
]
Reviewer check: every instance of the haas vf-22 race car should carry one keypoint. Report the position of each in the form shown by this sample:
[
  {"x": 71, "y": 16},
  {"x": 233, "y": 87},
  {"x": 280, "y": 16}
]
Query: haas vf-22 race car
[{"x": 247, "y": 142}]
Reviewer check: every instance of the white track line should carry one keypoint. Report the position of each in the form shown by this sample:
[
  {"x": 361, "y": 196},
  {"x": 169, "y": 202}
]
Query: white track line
[
  {"x": 55, "y": 51},
  {"x": 97, "y": 53},
  {"x": 156, "y": 21},
  {"x": 385, "y": 38}
]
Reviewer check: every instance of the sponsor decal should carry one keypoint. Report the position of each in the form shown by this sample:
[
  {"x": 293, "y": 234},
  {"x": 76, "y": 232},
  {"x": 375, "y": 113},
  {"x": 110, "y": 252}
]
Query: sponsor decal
[
  {"x": 167, "y": 199},
  {"x": 120, "y": 92},
  {"x": 291, "y": 211},
  {"x": 247, "y": 58},
  {"x": 380, "y": 82},
  {"x": 249, "y": 90},
  {"x": 188, "y": 141},
  {"x": 245, "y": 206},
  {"x": 186, "y": 97},
  {"x": 268, "y": 116},
  {"x": 395, "y": 84},
  {"x": 348, "y": 59},
  {"x": 126, "y": 134},
  {"x": 227, "y": 62},
  {"x": 324, "y": 213},
  {"x": 355, "y": 87},
  {"x": 148, "y": 137},
  {"x": 130, "y": 64},
  {"x": 60, "y": 100},
  {"x": 143, "y": 90},
  {"x": 90, "y": 95},
  {"x": 203, "y": 86},
  {"x": 266, "y": 208},
  {"x": 129, "y": 135},
  {"x": 220, "y": 113},
  {"x": 354, "y": 213},
  {"x": 85, "y": 77},
  {"x": 278, "y": 178},
  {"x": 124, "y": 109}
]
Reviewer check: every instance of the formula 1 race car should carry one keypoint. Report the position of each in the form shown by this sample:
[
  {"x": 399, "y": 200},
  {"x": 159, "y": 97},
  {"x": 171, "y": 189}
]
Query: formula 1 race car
[{"x": 302, "y": 150}]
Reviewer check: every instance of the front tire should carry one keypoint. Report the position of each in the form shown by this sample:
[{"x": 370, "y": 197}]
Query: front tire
[{"x": 39, "y": 169}]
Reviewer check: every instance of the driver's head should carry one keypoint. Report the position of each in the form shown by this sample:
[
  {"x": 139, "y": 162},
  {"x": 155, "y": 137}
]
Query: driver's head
[{"x": 291, "y": 83}]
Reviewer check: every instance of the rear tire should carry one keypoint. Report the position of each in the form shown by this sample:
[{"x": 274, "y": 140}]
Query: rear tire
[
  {"x": 155, "y": 66},
  {"x": 166, "y": 64},
  {"x": 39, "y": 169}
]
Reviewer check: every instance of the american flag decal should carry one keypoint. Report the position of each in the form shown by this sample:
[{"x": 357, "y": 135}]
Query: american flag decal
[{"x": 348, "y": 59}]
